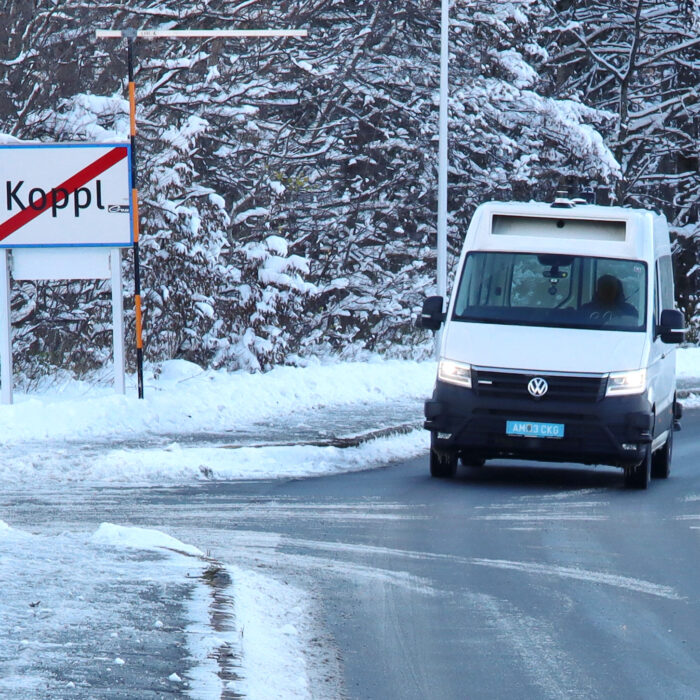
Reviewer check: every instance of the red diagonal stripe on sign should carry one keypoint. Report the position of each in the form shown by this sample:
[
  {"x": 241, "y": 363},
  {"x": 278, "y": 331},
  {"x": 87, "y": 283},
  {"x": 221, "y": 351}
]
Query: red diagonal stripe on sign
[{"x": 73, "y": 183}]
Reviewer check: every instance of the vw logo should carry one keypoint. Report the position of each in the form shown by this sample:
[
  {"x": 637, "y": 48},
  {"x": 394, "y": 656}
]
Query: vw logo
[{"x": 537, "y": 387}]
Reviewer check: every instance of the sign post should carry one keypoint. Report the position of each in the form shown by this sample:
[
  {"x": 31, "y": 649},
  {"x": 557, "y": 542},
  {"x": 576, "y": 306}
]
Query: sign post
[
  {"x": 130, "y": 35},
  {"x": 5, "y": 330},
  {"x": 115, "y": 259}
]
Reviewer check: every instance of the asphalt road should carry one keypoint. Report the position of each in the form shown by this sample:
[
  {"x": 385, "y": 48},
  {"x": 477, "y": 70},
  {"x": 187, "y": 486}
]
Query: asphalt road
[
  {"x": 513, "y": 580},
  {"x": 510, "y": 581}
]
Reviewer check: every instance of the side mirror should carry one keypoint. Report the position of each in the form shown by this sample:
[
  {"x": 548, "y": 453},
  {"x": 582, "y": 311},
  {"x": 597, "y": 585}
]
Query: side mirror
[
  {"x": 431, "y": 316},
  {"x": 671, "y": 328}
]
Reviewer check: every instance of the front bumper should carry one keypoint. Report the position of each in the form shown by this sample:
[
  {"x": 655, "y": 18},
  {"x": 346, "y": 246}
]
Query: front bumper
[{"x": 612, "y": 430}]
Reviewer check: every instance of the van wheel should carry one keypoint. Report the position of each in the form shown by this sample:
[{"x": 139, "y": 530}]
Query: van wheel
[
  {"x": 661, "y": 459},
  {"x": 443, "y": 465},
  {"x": 638, "y": 477}
]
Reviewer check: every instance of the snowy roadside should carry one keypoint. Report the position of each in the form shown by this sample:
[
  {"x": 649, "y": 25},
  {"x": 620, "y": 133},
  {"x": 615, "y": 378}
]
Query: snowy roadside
[
  {"x": 73, "y": 431},
  {"x": 85, "y": 612},
  {"x": 108, "y": 606},
  {"x": 149, "y": 615}
]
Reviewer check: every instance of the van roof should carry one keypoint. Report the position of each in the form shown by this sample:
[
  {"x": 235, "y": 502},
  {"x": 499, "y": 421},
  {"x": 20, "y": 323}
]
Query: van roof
[
  {"x": 569, "y": 228},
  {"x": 559, "y": 208}
]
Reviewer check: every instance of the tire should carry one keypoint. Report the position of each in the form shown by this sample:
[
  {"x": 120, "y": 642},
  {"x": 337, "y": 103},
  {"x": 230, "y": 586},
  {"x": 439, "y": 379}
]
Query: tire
[
  {"x": 639, "y": 477},
  {"x": 443, "y": 465},
  {"x": 661, "y": 459}
]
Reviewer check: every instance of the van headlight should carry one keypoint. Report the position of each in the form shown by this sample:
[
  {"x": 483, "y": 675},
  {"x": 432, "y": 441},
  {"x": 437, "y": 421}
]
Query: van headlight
[
  {"x": 453, "y": 372},
  {"x": 626, "y": 383}
]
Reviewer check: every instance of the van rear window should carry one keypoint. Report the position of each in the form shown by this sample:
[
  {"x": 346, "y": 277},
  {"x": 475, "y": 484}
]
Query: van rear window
[{"x": 569, "y": 291}]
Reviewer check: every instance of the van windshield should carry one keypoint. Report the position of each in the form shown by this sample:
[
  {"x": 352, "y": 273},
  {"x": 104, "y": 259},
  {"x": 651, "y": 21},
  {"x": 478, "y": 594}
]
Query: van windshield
[{"x": 569, "y": 291}]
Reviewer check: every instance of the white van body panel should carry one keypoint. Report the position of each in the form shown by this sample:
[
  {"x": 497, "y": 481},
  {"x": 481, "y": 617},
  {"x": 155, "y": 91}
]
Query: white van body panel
[{"x": 544, "y": 349}]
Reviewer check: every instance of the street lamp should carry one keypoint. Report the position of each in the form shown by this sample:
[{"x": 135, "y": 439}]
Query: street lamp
[{"x": 443, "y": 159}]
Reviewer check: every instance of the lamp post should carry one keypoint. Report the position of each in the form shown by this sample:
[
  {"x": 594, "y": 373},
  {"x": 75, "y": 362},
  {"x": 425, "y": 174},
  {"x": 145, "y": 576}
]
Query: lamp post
[{"x": 443, "y": 157}]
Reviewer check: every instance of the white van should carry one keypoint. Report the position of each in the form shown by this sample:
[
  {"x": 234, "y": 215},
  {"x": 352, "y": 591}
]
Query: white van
[{"x": 558, "y": 342}]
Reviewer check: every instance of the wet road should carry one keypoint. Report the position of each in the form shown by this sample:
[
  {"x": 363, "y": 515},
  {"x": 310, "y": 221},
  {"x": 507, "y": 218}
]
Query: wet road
[{"x": 510, "y": 581}]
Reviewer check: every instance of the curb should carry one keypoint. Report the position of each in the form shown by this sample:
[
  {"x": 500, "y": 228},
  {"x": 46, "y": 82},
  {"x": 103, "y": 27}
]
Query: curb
[
  {"x": 357, "y": 440},
  {"x": 342, "y": 442}
]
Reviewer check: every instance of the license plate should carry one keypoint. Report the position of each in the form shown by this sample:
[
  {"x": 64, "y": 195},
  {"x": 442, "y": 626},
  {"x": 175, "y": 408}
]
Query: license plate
[{"x": 538, "y": 430}]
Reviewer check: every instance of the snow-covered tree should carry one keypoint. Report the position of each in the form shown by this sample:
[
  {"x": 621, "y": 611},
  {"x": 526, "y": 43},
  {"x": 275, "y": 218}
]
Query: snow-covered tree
[
  {"x": 513, "y": 138},
  {"x": 639, "y": 60},
  {"x": 288, "y": 188}
]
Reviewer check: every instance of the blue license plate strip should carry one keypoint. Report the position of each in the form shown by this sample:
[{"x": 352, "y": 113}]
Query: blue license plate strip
[{"x": 536, "y": 430}]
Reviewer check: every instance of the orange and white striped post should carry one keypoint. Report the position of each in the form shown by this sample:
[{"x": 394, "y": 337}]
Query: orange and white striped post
[{"x": 131, "y": 35}]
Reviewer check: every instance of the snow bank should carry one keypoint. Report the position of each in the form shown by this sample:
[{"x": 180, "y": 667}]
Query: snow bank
[
  {"x": 8, "y": 532},
  {"x": 183, "y": 398},
  {"x": 269, "y": 634},
  {"x": 270, "y": 618},
  {"x": 79, "y": 614},
  {"x": 75, "y": 617},
  {"x": 78, "y": 432},
  {"x": 141, "y": 538},
  {"x": 688, "y": 363},
  {"x": 177, "y": 464}
]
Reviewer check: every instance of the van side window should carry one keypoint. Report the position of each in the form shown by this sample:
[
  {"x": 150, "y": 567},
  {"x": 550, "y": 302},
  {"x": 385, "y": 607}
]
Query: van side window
[
  {"x": 657, "y": 294},
  {"x": 665, "y": 280}
]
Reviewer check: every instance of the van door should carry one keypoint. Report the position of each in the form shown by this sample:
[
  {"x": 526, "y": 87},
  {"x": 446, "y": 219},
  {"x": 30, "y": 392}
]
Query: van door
[{"x": 663, "y": 356}]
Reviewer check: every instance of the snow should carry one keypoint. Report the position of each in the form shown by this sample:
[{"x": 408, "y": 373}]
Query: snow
[
  {"x": 87, "y": 594},
  {"x": 688, "y": 363},
  {"x": 10, "y": 140},
  {"x": 83, "y": 113},
  {"x": 73, "y": 613},
  {"x": 126, "y": 440},
  {"x": 181, "y": 397},
  {"x": 268, "y": 613},
  {"x": 524, "y": 75},
  {"x": 181, "y": 464},
  {"x": 141, "y": 538},
  {"x": 245, "y": 215},
  {"x": 687, "y": 373},
  {"x": 277, "y": 245}
]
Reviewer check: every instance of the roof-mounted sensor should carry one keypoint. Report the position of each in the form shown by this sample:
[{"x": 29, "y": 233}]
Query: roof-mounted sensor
[{"x": 563, "y": 203}]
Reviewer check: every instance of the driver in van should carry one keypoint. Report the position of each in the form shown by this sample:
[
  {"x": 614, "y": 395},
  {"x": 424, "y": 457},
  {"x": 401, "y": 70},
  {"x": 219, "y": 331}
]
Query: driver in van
[{"x": 609, "y": 298}]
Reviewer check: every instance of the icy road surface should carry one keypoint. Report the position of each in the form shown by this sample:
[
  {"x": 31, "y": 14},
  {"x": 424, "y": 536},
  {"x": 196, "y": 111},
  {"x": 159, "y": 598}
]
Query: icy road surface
[
  {"x": 129, "y": 568},
  {"x": 514, "y": 580}
]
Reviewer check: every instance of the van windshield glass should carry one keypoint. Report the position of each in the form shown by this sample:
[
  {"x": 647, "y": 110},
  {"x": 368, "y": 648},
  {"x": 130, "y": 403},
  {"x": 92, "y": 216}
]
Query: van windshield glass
[{"x": 568, "y": 291}]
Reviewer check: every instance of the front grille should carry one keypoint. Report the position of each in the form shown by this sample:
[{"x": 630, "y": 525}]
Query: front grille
[{"x": 513, "y": 385}]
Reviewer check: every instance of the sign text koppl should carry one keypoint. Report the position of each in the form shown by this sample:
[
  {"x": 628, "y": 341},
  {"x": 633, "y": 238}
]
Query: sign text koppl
[{"x": 65, "y": 195}]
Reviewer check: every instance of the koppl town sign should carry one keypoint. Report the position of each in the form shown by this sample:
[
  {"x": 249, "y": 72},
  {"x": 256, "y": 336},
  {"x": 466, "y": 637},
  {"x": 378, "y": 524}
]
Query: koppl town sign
[
  {"x": 65, "y": 213},
  {"x": 65, "y": 195}
]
